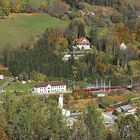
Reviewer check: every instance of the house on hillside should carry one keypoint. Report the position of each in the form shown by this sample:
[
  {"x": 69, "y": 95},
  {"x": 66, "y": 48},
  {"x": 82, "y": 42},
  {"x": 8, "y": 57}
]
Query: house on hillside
[
  {"x": 81, "y": 43},
  {"x": 50, "y": 87}
]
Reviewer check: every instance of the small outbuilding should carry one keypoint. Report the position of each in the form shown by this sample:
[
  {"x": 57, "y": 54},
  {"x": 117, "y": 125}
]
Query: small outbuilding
[
  {"x": 1, "y": 76},
  {"x": 123, "y": 46}
]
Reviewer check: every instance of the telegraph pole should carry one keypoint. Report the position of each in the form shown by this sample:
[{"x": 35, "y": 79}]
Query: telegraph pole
[
  {"x": 74, "y": 85},
  {"x": 101, "y": 83},
  {"x": 104, "y": 85},
  {"x": 109, "y": 85},
  {"x": 131, "y": 81},
  {"x": 96, "y": 83}
]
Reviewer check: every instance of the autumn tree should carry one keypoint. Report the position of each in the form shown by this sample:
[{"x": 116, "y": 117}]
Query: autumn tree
[
  {"x": 5, "y": 3},
  {"x": 123, "y": 33},
  {"x": 57, "y": 39},
  {"x": 4, "y": 8},
  {"x": 38, "y": 77},
  {"x": 3, "y": 134},
  {"x": 57, "y": 8}
]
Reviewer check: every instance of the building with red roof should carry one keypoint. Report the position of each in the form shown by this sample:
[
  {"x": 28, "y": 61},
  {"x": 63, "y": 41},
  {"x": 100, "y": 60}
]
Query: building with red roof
[{"x": 82, "y": 43}]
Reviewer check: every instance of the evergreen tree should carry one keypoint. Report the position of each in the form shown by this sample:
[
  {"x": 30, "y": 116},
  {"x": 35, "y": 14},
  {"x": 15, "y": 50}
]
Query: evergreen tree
[{"x": 94, "y": 123}]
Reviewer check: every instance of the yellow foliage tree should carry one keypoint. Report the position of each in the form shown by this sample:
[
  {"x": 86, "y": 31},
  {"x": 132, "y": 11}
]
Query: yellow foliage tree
[
  {"x": 5, "y": 3},
  {"x": 123, "y": 33}
]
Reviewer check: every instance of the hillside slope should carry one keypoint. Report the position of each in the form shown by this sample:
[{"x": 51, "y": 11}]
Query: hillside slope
[{"x": 23, "y": 26}]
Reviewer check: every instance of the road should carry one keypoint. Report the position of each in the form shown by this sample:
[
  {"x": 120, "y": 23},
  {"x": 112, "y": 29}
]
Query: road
[{"x": 136, "y": 98}]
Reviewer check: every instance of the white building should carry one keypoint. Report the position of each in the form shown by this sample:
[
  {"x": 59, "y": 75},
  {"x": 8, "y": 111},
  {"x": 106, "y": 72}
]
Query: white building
[
  {"x": 1, "y": 77},
  {"x": 123, "y": 46},
  {"x": 66, "y": 57},
  {"x": 82, "y": 43},
  {"x": 51, "y": 87}
]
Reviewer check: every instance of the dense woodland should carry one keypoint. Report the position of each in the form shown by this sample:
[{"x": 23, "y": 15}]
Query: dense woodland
[
  {"x": 42, "y": 55},
  {"x": 38, "y": 118}
]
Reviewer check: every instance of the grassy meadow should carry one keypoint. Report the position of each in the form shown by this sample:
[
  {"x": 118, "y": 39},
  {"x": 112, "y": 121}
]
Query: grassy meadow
[
  {"x": 4, "y": 80},
  {"x": 19, "y": 28},
  {"x": 19, "y": 87}
]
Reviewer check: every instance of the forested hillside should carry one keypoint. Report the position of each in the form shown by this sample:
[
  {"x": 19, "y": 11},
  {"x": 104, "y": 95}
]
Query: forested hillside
[{"x": 105, "y": 23}]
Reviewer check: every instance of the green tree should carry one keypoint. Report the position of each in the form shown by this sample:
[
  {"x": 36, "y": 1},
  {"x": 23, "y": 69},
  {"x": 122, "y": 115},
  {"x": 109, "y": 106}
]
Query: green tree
[
  {"x": 94, "y": 36},
  {"x": 56, "y": 123},
  {"x": 38, "y": 77},
  {"x": 21, "y": 77},
  {"x": 22, "y": 128},
  {"x": 94, "y": 123},
  {"x": 4, "y": 8},
  {"x": 127, "y": 128}
]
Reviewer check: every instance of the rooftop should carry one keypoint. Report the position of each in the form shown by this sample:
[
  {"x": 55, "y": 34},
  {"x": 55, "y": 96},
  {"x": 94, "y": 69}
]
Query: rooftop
[
  {"x": 82, "y": 40},
  {"x": 126, "y": 107},
  {"x": 50, "y": 83}
]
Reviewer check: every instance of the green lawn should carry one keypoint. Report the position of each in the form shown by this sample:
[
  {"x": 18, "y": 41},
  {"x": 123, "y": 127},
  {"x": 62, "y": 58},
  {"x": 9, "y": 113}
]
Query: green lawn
[
  {"x": 4, "y": 80},
  {"x": 20, "y": 27},
  {"x": 18, "y": 86}
]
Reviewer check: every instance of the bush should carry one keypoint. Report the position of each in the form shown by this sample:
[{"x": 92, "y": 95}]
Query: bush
[
  {"x": 115, "y": 112},
  {"x": 72, "y": 14},
  {"x": 81, "y": 95},
  {"x": 103, "y": 105},
  {"x": 76, "y": 97},
  {"x": 68, "y": 97},
  {"x": 85, "y": 96},
  {"x": 94, "y": 95}
]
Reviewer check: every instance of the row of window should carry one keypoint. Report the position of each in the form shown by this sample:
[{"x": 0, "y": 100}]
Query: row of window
[
  {"x": 51, "y": 90},
  {"x": 56, "y": 87},
  {"x": 43, "y": 89}
]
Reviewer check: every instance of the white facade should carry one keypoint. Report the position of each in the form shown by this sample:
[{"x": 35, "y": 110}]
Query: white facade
[
  {"x": 83, "y": 47},
  {"x": 60, "y": 101},
  {"x": 82, "y": 43},
  {"x": 66, "y": 57},
  {"x": 1, "y": 77},
  {"x": 50, "y": 89}
]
